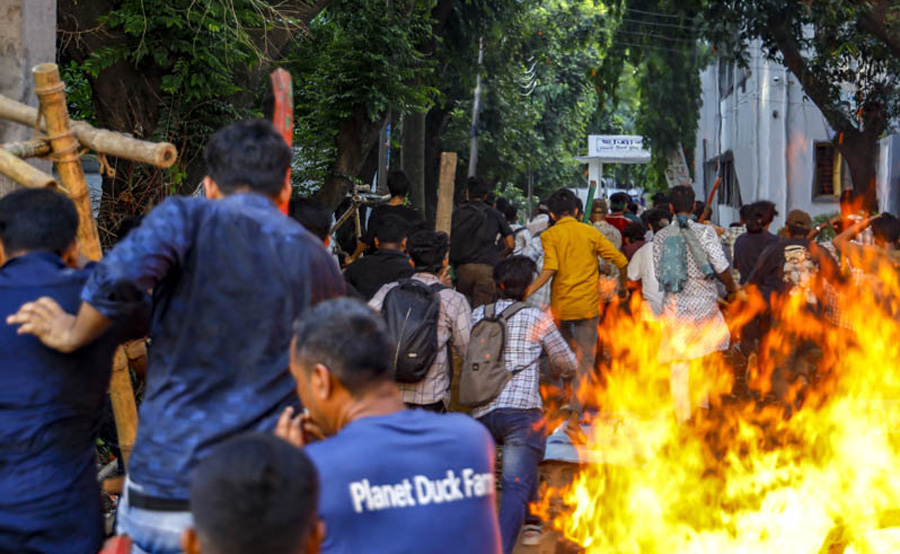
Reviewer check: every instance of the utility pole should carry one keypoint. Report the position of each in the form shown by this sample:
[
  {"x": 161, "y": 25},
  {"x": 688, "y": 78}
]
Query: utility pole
[{"x": 476, "y": 107}]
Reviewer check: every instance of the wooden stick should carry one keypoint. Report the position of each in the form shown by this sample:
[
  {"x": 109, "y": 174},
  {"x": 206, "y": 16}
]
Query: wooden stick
[
  {"x": 162, "y": 154},
  {"x": 51, "y": 93},
  {"x": 446, "y": 187},
  {"x": 37, "y": 148},
  {"x": 23, "y": 173}
]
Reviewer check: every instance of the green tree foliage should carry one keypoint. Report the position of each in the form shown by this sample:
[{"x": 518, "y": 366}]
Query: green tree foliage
[
  {"x": 844, "y": 53},
  {"x": 539, "y": 103},
  {"x": 358, "y": 55},
  {"x": 656, "y": 43},
  {"x": 171, "y": 70}
]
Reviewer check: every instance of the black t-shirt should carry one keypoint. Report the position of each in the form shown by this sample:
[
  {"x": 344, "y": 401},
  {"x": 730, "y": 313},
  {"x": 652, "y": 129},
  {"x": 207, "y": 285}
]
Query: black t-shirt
[
  {"x": 477, "y": 244},
  {"x": 790, "y": 263},
  {"x": 372, "y": 271},
  {"x": 747, "y": 250},
  {"x": 379, "y": 213}
]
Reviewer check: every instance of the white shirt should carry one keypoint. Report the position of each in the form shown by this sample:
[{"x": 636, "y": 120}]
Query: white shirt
[{"x": 641, "y": 268}]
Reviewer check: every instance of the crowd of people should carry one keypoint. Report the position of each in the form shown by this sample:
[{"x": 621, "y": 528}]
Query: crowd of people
[{"x": 292, "y": 406}]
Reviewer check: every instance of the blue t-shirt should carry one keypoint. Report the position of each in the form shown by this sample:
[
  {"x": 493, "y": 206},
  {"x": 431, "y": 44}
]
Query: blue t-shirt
[
  {"x": 229, "y": 277},
  {"x": 412, "y": 481},
  {"x": 50, "y": 410}
]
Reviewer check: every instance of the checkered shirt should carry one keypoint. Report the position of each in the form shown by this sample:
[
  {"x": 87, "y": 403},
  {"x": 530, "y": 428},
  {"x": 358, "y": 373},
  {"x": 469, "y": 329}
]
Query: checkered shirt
[
  {"x": 528, "y": 332},
  {"x": 454, "y": 327}
]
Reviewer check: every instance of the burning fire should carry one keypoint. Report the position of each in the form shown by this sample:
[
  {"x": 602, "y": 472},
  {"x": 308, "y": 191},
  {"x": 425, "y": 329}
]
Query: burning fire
[{"x": 818, "y": 472}]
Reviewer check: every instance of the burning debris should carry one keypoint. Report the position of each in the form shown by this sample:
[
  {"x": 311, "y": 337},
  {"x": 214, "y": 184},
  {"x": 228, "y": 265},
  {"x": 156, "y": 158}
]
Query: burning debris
[{"x": 810, "y": 469}]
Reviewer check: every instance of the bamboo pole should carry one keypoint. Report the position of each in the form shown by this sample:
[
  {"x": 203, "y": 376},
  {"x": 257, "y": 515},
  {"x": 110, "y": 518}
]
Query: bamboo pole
[
  {"x": 51, "y": 93},
  {"x": 446, "y": 185},
  {"x": 160, "y": 154},
  {"x": 23, "y": 173},
  {"x": 37, "y": 148}
]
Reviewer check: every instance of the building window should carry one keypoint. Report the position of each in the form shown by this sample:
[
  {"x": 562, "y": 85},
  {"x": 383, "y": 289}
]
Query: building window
[
  {"x": 729, "y": 193},
  {"x": 726, "y": 78},
  {"x": 831, "y": 173}
]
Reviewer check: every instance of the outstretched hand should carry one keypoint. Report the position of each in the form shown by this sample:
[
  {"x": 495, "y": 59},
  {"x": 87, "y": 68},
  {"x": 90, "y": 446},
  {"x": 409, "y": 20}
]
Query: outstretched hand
[
  {"x": 46, "y": 320},
  {"x": 299, "y": 430}
]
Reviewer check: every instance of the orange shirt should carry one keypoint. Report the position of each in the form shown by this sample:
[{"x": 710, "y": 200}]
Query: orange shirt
[{"x": 571, "y": 249}]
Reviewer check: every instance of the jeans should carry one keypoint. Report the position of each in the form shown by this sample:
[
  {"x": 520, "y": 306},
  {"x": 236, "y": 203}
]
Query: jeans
[
  {"x": 152, "y": 532},
  {"x": 521, "y": 433},
  {"x": 582, "y": 337}
]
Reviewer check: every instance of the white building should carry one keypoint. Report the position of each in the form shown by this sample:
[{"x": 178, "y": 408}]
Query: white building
[{"x": 774, "y": 144}]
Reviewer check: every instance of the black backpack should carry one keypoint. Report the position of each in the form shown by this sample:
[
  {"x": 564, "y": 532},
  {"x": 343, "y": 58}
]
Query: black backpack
[
  {"x": 412, "y": 310},
  {"x": 469, "y": 230}
]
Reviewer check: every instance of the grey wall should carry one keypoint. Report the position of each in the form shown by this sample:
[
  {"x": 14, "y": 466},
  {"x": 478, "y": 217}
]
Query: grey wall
[{"x": 27, "y": 38}]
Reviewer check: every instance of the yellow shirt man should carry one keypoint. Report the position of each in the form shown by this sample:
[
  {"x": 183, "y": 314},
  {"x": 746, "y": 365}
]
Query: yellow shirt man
[{"x": 571, "y": 249}]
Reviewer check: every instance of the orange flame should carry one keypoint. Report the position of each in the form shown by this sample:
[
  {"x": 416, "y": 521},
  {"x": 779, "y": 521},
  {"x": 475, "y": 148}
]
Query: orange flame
[{"x": 795, "y": 468}]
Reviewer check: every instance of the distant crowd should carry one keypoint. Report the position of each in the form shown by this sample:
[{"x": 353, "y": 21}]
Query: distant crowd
[{"x": 294, "y": 405}]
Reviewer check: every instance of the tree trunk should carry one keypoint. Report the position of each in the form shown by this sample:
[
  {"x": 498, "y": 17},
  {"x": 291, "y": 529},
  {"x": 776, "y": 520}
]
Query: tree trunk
[
  {"x": 861, "y": 155},
  {"x": 413, "y": 157},
  {"x": 355, "y": 138}
]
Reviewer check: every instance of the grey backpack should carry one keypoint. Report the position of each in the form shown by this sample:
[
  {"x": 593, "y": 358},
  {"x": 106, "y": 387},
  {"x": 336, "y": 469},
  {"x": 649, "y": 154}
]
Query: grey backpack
[{"x": 484, "y": 373}]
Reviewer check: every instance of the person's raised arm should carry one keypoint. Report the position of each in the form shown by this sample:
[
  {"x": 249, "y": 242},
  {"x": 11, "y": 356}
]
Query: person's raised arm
[
  {"x": 118, "y": 284},
  {"x": 61, "y": 331}
]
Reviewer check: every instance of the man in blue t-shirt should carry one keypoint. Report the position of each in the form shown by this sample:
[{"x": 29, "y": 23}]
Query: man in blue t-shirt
[
  {"x": 230, "y": 274},
  {"x": 393, "y": 480},
  {"x": 50, "y": 403}
]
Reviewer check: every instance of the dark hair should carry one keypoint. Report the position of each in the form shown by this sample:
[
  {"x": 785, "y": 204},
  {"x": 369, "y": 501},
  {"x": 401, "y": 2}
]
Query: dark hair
[
  {"x": 508, "y": 209},
  {"x": 761, "y": 214},
  {"x": 563, "y": 202},
  {"x": 660, "y": 200},
  {"x": 255, "y": 493},
  {"x": 634, "y": 231},
  {"x": 312, "y": 214},
  {"x": 744, "y": 212},
  {"x": 619, "y": 201},
  {"x": 887, "y": 229},
  {"x": 391, "y": 229},
  {"x": 427, "y": 250},
  {"x": 40, "y": 219},
  {"x": 250, "y": 154},
  {"x": 682, "y": 198},
  {"x": 633, "y": 208},
  {"x": 515, "y": 273},
  {"x": 349, "y": 338},
  {"x": 477, "y": 187},
  {"x": 656, "y": 219},
  {"x": 699, "y": 207},
  {"x": 398, "y": 183}
]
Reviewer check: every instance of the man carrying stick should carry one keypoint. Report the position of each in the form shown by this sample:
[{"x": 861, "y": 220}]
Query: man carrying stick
[{"x": 229, "y": 275}]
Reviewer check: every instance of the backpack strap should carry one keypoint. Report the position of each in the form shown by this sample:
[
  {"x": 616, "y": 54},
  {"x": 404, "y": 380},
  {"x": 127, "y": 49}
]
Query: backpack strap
[
  {"x": 511, "y": 310},
  {"x": 489, "y": 311}
]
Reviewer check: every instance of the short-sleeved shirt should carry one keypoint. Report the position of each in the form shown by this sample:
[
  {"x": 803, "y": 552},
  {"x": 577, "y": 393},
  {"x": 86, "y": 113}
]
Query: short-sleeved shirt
[
  {"x": 51, "y": 405},
  {"x": 481, "y": 246},
  {"x": 694, "y": 326},
  {"x": 373, "y": 271},
  {"x": 571, "y": 249},
  {"x": 791, "y": 263},
  {"x": 641, "y": 268},
  {"x": 411, "y": 481},
  {"x": 747, "y": 249},
  {"x": 229, "y": 277}
]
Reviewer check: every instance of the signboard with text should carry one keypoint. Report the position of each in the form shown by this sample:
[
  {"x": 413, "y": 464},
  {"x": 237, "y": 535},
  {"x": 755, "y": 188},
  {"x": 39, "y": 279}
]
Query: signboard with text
[{"x": 618, "y": 148}]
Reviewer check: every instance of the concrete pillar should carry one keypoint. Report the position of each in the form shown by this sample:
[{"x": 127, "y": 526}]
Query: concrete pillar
[{"x": 27, "y": 38}]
